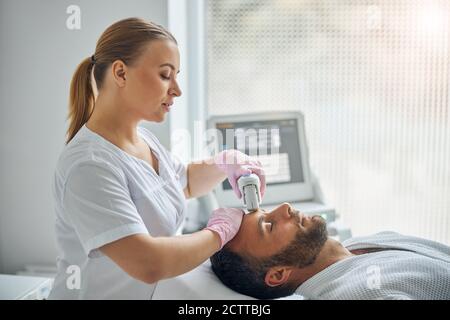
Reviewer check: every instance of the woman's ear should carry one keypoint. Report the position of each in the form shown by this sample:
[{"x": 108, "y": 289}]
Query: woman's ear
[
  {"x": 119, "y": 71},
  {"x": 276, "y": 276}
]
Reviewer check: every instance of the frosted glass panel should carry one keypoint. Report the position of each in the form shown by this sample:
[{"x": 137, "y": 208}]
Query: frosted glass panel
[{"x": 371, "y": 77}]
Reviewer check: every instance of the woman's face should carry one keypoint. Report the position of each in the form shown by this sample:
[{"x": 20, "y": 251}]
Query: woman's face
[{"x": 151, "y": 82}]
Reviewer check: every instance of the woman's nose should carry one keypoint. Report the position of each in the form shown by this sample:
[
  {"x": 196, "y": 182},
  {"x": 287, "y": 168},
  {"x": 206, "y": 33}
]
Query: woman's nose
[{"x": 175, "y": 90}]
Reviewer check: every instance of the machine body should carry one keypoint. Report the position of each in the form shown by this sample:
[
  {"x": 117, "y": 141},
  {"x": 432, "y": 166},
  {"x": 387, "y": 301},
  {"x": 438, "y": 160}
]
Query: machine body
[{"x": 249, "y": 185}]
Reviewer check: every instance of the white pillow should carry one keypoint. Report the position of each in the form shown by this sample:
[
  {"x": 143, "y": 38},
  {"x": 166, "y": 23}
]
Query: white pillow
[{"x": 199, "y": 284}]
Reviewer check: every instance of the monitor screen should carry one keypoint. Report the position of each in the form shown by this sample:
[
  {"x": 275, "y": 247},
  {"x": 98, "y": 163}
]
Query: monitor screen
[{"x": 273, "y": 142}]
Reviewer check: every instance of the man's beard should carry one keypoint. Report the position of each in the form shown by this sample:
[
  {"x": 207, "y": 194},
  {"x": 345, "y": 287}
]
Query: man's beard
[{"x": 304, "y": 249}]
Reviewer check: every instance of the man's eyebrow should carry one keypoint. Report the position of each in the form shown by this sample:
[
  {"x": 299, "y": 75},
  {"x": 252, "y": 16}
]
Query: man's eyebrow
[{"x": 170, "y": 66}]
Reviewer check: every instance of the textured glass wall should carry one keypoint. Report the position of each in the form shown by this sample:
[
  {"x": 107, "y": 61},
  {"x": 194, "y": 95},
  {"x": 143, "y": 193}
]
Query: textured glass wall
[{"x": 371, "y": 77}]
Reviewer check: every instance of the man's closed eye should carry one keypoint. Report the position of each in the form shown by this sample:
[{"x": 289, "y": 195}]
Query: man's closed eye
[{"x": 269, "y": 226}]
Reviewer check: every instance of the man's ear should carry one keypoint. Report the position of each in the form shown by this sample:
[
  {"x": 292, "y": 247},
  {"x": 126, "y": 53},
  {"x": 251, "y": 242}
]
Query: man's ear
[
  {"x": 277, "y": 276},
  {"x": 119, "y": 71}
]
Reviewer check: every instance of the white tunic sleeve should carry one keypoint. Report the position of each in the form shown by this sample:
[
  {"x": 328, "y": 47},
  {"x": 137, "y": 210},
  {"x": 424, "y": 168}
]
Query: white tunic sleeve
[{"x": 98, "y": 203}]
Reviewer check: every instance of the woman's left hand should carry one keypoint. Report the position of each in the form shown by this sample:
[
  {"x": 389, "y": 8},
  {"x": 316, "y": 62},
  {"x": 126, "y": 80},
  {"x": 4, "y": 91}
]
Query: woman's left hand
[{"x": 236, "y": 164}]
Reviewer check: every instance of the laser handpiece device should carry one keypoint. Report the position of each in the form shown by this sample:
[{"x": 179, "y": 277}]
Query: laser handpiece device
[{"x": 249, "y": 185}]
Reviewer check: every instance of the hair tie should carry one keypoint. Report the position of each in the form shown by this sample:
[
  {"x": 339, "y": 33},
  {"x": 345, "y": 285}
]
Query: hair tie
[{"x": 93, "y": 59}]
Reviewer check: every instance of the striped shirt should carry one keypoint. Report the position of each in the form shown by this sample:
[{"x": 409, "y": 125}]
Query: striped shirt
[{"x": 394, "y": 267}]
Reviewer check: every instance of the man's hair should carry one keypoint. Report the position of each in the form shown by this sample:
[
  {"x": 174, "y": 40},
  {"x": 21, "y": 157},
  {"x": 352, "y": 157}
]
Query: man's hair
[{"x": 247, "y": 275}]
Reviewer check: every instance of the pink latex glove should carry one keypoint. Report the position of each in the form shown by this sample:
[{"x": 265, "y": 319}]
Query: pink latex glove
[
  {"x": 226, "y": 222},
  {"x": 235, "y": 164}
]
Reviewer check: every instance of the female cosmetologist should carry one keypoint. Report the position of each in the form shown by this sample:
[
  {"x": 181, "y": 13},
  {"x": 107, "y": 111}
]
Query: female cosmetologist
[{"x": 120, "y": 196}]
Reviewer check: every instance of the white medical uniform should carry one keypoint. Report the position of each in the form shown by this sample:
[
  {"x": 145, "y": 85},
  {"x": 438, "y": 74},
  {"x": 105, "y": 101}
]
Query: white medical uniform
[
  {"x": 103, "y": 194},
  {"x": 412, "y": 268}
]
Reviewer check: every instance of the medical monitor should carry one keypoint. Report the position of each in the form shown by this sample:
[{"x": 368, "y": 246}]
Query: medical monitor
[{"x": 277, "y": 139}]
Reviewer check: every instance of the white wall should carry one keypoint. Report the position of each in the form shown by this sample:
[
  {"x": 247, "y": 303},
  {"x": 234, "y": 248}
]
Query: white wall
[{"x": 37, "y": 59}]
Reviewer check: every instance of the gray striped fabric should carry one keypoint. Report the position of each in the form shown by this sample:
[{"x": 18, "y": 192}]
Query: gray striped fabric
[{"x": 421, "y": 272}]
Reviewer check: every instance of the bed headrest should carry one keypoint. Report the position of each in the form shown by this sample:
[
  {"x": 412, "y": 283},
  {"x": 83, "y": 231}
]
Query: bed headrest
[{"x": 198, "y": 284}]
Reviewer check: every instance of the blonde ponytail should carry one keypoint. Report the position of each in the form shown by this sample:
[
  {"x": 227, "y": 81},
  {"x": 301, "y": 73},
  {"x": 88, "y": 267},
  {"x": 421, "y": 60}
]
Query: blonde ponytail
[{"x": 81, "y": 101}]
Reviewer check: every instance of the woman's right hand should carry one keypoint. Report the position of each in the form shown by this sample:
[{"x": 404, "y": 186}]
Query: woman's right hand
[
  {"x": 236, "y": 164},
  {"x": 226, "y": 223}
]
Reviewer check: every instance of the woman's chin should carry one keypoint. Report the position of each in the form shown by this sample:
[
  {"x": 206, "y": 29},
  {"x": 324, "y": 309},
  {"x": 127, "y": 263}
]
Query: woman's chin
[{"x": 156, "y": 117}]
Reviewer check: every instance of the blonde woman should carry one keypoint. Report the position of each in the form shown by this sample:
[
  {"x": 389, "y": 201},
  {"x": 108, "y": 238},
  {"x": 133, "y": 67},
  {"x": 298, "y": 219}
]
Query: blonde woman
[{"x": 119, "y": 194}]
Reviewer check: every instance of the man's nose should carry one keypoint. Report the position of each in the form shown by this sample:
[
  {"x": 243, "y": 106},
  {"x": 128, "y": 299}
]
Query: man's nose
[{"x": 283, "y": 211}]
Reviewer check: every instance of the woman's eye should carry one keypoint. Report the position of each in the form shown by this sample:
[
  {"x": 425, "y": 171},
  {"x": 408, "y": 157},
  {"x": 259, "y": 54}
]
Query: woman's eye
[
  {"x": 270, "y": 226},
  {"x": 165, "y": 77}
]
